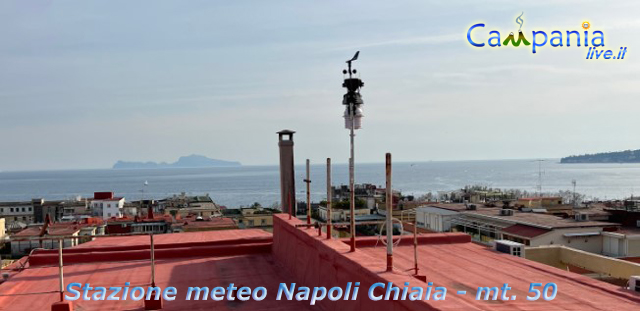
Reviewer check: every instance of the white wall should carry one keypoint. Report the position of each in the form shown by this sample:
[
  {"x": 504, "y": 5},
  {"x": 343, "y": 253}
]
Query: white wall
[
  {"x": 109, "y": 208},
  {"x": 3, "y": 229},
  {"x": 434, "y": 221},
  {"x": 23, "y": 247},
  {"x": 592, "y": 244},
  {"x": 22, "y": 213},
  {"x": 621, "y": 245},
  {"x": 633, "y": 247},
  {"x": 341, "y": 214}
]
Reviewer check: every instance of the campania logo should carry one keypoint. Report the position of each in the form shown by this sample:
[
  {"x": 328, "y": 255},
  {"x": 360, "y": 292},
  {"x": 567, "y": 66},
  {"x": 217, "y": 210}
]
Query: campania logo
[
  {"x": 521, "y": 37},
  {"x": 539, "y": 39}
]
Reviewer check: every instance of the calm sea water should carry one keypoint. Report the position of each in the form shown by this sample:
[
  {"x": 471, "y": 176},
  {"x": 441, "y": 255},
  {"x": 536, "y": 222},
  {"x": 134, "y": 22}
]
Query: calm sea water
[{"x": 244, "y": 185}]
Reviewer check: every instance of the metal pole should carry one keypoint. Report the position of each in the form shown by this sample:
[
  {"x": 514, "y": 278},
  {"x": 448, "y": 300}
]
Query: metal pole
[
  {"x": 351, "y": 179},
  {"x": 308, "y": 181},
  {"x": 290, "y": 210},
  {"x": 389, "y": 201},
  {"x": 153, "y": 262},
  {"x": 61, "y": 272},
  {"x": 329, "y": 195},
  {"x": 415, "y": 242}
]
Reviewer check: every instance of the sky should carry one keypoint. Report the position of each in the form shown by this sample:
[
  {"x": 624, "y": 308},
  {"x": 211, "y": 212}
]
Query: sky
[{"x": 84, "y": 84}]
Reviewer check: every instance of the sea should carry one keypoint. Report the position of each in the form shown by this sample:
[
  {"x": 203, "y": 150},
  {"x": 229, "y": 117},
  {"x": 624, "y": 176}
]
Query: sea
[{"x": 241, "y": 186}]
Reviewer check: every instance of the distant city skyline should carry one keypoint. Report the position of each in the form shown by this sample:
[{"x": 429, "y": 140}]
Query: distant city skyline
[{"x": 85, "y": 84}]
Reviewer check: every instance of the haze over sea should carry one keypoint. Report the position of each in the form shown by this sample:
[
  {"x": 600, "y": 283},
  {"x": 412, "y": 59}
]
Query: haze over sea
[{"x": 236, "y": 186}]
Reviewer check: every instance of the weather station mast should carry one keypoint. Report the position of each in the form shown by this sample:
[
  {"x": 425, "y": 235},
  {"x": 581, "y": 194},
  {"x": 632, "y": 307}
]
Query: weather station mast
[{"x": 352, "y": 121}]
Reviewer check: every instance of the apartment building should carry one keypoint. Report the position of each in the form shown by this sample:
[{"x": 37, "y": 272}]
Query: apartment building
[
  {"x": 106, "y": 205},
  {"x": 16, "y": 212},
  {"x": 529, "y": 228}
]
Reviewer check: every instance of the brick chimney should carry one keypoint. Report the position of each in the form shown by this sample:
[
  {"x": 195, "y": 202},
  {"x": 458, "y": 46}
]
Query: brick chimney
[{"x": 287, "y": 173}]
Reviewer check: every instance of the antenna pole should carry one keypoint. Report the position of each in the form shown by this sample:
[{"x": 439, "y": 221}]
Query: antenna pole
[
  {"x": 329, "y": 195},
  {"x": 389, "y": 201},
  {"x": 308, "y": 182}
]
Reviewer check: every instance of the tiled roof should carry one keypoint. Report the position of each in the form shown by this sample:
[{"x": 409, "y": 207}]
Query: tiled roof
[{"x": 525, "y": 231}]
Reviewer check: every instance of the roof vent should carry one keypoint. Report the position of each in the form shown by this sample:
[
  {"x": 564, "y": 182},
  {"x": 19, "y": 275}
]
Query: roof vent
[
  {"x": 511, "y": 248},
  {"x": 634, "y": 283},
  {"x": 581, "y": 217},
  {"x": 506, "y": 212}
]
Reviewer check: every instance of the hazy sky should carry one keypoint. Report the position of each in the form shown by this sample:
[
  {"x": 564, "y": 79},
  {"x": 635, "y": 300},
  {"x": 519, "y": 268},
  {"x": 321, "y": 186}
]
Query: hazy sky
[{"x": 86, "y": 83}]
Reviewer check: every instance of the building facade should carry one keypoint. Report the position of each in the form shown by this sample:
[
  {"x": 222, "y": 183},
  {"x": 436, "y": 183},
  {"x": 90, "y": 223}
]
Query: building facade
[
  {"x": 105, "y": 205},
  {"x": 16, "y": 212}
]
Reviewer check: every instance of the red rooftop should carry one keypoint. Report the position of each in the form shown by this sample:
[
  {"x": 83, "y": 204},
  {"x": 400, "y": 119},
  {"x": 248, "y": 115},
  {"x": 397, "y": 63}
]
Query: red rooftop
[{"x": 298, "y": 255}]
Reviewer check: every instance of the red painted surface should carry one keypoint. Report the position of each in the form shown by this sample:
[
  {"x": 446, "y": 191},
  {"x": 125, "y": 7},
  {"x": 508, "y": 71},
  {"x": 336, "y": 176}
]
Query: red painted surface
[
  {"x": 242, "y": 257},
  {"x": 102, "y": 195},
  {"x": 153, "y": 304},
  {"x": 525, "y": 231},
  {"x": 158, "y": 246},
  {"x": 62, "y": 306},
  {"x": 432, "y": 238},
  {"x": 132, "y": 255},
  {"x": 457, "y": 266},
  {"x": 118, "y": 228},
  {"x": 176, "y": 245},
  {"x": 299, "y": 255},
  {"x": 632, "y": 259},
  {"x": 251, "y": 270}
]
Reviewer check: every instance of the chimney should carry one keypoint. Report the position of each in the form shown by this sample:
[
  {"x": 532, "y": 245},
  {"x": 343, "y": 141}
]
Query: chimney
[{"x": 287, "y": 173}]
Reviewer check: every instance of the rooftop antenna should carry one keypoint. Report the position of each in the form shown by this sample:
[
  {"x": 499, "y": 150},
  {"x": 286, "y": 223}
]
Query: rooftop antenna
[
  {"x": 539, "y": 186},
  {"x": 146, "y": 183},
  {"x": 575, "y": 199}
]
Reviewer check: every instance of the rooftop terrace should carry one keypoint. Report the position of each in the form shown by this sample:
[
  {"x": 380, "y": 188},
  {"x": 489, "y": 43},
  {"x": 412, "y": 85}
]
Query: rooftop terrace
[{"x": 293, "y": 255}]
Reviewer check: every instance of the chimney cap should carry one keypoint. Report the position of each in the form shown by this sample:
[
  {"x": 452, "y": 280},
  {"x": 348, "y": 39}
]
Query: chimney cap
[
  {"x": 286, "y": 132},
  {"x": 285, "y": 135}
]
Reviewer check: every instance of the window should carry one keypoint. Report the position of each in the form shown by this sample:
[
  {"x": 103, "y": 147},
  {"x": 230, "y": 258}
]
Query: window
[
  {"x": 1, "y": 210},
  {"x": 263, "y": 222},
  {"x": 108, "y": 214},
  {"x": 30, "y": 209},
  {"x": 517, "y": 251},
  {"x": 24, "y": 209},
  {"x": 24, "y": 218},
  {"x": 109, "y": 205},
  {"x": 11, "y": 209}
]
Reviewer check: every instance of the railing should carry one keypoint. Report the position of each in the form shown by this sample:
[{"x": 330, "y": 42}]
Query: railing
[{"x": 319, "y": 224}]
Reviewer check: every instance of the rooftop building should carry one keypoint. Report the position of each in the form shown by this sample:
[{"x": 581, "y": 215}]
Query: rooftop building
[
  {"x": 199, "y": 223},
  {"x": 47, "y": 235},
  {"x": 106, "y": 205},
  {"x": 529, "y": 227},
  {"x": 295, "y": 254}
]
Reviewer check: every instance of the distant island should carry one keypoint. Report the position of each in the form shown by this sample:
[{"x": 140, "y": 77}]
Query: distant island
[
  {"x": 628, "y": 156},
  {"x": 192, "y": 161}
]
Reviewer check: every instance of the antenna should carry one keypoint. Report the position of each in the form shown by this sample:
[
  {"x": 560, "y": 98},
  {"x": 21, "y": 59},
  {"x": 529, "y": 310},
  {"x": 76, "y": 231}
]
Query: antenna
[
  {"x": 539, "y": 186},
  {"x": 575, "y": 199}
]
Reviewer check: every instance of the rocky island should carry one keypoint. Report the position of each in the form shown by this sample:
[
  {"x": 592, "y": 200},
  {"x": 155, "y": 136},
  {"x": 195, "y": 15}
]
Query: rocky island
[
  {"x": 627, "y": 156},
  {"x": 192, "y": 161}
]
